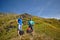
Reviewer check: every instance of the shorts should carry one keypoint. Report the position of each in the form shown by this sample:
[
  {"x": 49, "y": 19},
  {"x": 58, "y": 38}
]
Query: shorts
[{"x": 19, "y": 27}]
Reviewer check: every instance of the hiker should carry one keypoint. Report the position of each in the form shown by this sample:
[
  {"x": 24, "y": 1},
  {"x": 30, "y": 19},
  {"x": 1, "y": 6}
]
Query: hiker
[
  {"x": 31, "y": 24},
  {"x": 20, "y": 26}
]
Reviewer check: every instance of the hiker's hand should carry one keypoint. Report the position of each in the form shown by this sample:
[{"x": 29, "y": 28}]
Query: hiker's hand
[
  {"x": 18, "y": 23},
  {"x": 22, "y": 24}
]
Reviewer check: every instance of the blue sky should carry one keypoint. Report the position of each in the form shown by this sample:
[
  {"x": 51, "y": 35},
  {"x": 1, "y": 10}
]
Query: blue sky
[{"x": 41, "y": 8}]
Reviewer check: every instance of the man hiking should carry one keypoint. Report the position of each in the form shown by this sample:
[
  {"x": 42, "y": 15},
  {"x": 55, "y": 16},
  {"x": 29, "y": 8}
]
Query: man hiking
[
  {"x": 31, "y": 24},
  {"x": 20, "y": 25}
]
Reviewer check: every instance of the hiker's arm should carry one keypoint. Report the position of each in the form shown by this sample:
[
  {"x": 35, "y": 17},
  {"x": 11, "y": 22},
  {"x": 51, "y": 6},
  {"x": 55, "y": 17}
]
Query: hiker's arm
[
  {"x": 17, "y": 21},
  {"x": 33, "y": 23},
  {"x": 28, "y": 22},
  {"x": 22, "y": 23}
]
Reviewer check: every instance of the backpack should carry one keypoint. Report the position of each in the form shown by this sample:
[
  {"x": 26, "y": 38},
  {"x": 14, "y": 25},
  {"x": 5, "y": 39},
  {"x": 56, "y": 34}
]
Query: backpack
[{"x": 28, "y": 30}]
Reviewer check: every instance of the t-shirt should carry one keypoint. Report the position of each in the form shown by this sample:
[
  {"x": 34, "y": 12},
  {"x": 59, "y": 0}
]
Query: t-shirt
[
  {"x": 20, "y": 21},
  {"x": 31, "y": 22}
]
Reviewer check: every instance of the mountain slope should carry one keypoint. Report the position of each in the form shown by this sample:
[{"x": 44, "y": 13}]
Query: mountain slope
[{"x": 44, "y": 29}]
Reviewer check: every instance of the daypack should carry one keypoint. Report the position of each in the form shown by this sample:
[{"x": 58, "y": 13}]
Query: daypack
[{"x": 28, "y": 30}]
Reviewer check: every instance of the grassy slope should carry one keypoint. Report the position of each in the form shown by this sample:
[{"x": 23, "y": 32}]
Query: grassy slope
[{"x": 44, "y": 29}]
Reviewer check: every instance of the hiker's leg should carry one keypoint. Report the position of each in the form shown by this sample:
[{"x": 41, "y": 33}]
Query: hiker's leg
[
  {"x": 18, "y": 32},
  {"x": 32, "y": 28}
]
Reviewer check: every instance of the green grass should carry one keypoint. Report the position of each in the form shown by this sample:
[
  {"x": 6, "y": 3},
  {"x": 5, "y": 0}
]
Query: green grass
[{"x": 43, "y": 28}]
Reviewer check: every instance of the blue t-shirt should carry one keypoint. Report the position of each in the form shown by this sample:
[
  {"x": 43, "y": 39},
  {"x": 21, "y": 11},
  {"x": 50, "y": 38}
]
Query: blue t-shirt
[{"x": 20, "y": 21}]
